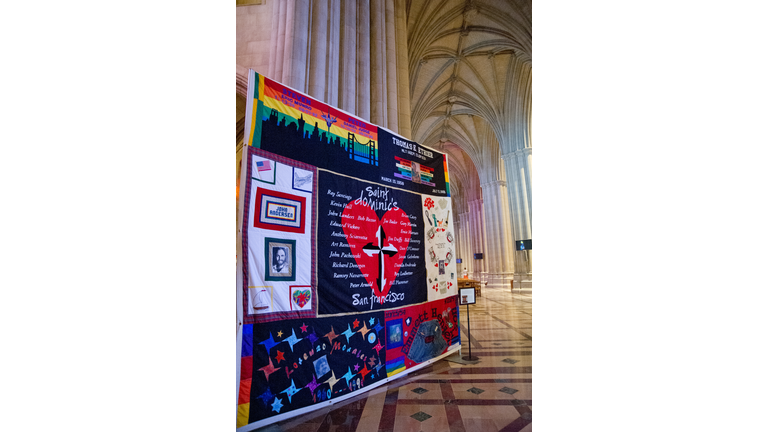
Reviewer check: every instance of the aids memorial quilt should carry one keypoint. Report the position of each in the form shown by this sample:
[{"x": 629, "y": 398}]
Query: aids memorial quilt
[{"x": 347, "y": 275}]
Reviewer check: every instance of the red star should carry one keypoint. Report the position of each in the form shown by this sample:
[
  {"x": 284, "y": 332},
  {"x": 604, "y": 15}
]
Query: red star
[
  {"x": 364, "y": 372},
  {"x": 378, "y": 347},
  {"x": 268, "y": 369},
  {"x": 279, "y": 356},
  {"x": 304, "y": 328},
  {"x": 355, "y": 324},
  {"x": 331, "y": 335}
]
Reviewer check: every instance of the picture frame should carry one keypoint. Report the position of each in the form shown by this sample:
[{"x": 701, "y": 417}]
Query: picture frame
[
  {"x": 280, "y": 259},
  {"x": 467, "y": 296}
]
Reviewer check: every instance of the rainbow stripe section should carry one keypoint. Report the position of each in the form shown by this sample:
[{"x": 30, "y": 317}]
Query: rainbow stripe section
[
  {"x": 405, "y": 171},
  {"x": 395, "y": 366},
  {"x": 295, "y": 105},
  {"x": 447, "y": 181}
]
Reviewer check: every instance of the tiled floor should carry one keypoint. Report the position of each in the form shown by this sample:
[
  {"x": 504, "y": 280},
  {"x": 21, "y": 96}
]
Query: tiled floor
[{"x": 492, "y": 395}]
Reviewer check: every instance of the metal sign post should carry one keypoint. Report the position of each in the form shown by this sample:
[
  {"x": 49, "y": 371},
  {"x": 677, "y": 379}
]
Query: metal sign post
[{"x": 467, "y": 297}]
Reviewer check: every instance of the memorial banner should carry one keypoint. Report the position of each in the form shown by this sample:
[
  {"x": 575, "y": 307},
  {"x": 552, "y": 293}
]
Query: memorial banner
[{"x": 346, "y": 268}]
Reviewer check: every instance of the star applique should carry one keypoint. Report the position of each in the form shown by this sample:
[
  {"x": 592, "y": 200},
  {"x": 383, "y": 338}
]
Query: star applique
[
  {"x": 331, "y": 335},
  {"x": 364, "y": 329},
  {"x": 378, "y": 347},
  {"x": 355, "y": 324},
  {"x": 348, "y": 376},
  {"x": 332, "y": 380},
  {"x": 371, "y": 362},
  {"x": 268, "y": 343},
  {"x": 364, "y": 372},
  {"x": 268, "y": 369},
  {"x": 279, "y": 356},
  {"x": 266, "y": 397},
  {"x": 313, "y": 384},
  {"x": 292, "y": 390},
  {"x": 357, "y": 367},
  {"x": 277, "y": 405},
  {"x": 292, "y": 339},
  {"x": 348, "y": 333},
  {"x": 280, "y": 333},
  {"x": 312, "y": 338},
  {"x": 303, "y": 328},
  {"x": 378, "y": 328},
  {"x": 372, "y": 320}
]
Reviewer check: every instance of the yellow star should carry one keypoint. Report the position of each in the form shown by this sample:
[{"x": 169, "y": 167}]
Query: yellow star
[
  {"x": 332, "y": 380},
  {"x": 280, "y": 333},
  {"x": 364, "y": 329}
]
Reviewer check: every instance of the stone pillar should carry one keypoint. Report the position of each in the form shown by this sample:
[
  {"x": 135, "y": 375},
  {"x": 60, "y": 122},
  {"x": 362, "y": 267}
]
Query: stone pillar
[
  {"x": 480, "y": 267},
  {"x": 403, "y": 83},
  {"x": 348, "y": 56},
  {"x": 518, "y": 168},
  {"x": 499, "y": 245},
  {"x": 391, "y": 64},
  {"x": 378, "y": 67},
  {"x": 363, "y": 62},
  {"x": 274, "y": 40},
  {"x": 296, "y": 38},
  {"x": 334, "y": 48},
  {"x": 318, "y": 54}
]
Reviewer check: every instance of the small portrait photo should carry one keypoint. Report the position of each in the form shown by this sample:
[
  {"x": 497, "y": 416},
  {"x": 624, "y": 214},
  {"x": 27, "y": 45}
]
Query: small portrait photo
[
  {"x": 394, "y": 333},
  {"x": 280, "y": 259}
]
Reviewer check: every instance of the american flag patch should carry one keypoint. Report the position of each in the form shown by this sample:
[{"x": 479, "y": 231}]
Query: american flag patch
[{"x": 263, "y": 165}]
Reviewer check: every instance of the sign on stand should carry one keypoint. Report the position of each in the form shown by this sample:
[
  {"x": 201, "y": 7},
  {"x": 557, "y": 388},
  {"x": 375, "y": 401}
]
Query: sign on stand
[{"x": 467, "y": 297}]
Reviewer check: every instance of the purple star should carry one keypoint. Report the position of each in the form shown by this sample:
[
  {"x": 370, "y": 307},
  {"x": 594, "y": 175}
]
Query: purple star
[
  {"x": 313, "y": 385},
  {"x": 357, "y": 367}
]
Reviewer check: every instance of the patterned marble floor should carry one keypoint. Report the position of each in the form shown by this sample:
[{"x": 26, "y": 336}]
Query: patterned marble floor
[{"x": 494, "y": 394}]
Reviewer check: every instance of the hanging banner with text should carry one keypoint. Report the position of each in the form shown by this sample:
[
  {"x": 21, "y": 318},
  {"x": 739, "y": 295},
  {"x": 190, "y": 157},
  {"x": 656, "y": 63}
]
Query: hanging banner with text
[{"x": 348, "y": 276}]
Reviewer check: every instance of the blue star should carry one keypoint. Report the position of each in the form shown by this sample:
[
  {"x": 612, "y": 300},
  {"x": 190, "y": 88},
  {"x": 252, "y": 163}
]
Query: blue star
[
  {"x": 292, "y": 339},
  {"x": 312, "y": 338},
  {"x": 269, "y": 343},
  {"x": 372, "y": 320},
  {"x": 292, "y": 390},
  {"x": 348, "y": 376},
  {"x": 378, "y": 328},
  {"x": 277, "y": 405},
  {"x": 267, "y": 395},
  {"x": 348, "y": 333}
]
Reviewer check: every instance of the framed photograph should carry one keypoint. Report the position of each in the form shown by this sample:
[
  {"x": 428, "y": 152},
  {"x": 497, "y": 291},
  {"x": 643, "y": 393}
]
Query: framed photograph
[
  {"x": 280, "y": 259},
  {"x": 466, "y": 296}
]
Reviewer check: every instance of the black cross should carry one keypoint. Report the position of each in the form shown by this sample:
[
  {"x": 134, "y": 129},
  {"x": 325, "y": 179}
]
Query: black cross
[{"x": 380, "y": 250}]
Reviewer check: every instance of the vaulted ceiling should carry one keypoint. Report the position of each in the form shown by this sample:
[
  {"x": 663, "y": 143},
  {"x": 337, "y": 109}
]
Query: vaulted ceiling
[{"x": 469, "y": 68}]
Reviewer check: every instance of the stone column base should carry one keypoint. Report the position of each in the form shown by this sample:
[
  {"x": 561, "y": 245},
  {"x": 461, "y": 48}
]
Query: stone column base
[
  {"x": 498, "y": 280},
  {"x": 523, "y": 282}
]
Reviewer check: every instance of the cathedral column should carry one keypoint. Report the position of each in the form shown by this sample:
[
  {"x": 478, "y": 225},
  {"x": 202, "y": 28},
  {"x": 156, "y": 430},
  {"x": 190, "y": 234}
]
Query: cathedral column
[
  {"x": 378, "y": 67},
  {"x": 334, "y": 48},
  {"x": 318, "y": 52},
  {"x": 363, "y": 76},
  {"x": 403, "y": 86},
  {"x": 499, "y": 245},
  {"x": 348, "y": 55},
  {"x": 517, "y": 165},
  {"x": 466, "y": 254},
  {"x": 480, "y": 267},
  {"x": 391, "y": 63},
  {"x": 296, "y": 37}
]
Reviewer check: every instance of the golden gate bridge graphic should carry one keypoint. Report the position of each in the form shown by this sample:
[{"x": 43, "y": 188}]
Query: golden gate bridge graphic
[
  {"x": 362, "y": 152},
  {"x": 278, "y": 129}
]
